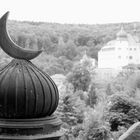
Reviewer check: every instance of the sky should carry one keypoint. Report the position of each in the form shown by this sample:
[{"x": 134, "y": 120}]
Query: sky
[{"x": 72, "y": 11}]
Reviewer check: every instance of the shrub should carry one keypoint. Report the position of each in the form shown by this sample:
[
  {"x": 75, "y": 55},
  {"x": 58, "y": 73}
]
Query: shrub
[
  {"x": 122, "y": 111},
  {"x": 94, "y": 125},
  {"x": 101, "y": 133}
]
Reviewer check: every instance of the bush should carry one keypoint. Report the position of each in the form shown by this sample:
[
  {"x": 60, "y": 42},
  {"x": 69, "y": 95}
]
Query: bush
[
  {"x": 94, "y": 125},
  {"x": 98, "y": 134},
  {"x": 76, "y": 130},
  {"x": 122, "y": 111}
]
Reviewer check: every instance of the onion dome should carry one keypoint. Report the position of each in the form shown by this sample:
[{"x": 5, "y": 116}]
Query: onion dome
[
  {"x": 122, "y": 33},
  {"x": 25, "y": 91}
]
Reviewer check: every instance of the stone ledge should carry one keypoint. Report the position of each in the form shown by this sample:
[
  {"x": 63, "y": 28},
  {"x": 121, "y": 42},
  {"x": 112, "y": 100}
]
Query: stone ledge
[{"x": 52, "y": 136}]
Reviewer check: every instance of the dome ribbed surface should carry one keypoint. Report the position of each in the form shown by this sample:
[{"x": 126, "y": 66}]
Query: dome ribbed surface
[{"x": 26, "y": 91}]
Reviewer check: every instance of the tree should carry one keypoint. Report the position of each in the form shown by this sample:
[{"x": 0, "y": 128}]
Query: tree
[
  {"x": 92, "y": 95},
  {"x": 79, "y": 77},
  {"x": 65, "y": 63},
  {"x": 66, "y": 49},
  {"x": 49, "y": 64},
  {"x": 98, "y": 134},
  {"x": 22, "y": 40},
  {"x": 71, "y": 107},
  {"x": 122, "y": 111},
  {"x": 95, "y": 127}
]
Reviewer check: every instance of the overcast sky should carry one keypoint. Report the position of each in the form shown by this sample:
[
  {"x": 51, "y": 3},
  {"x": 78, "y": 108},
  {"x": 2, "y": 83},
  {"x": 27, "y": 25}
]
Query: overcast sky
[{"x": 73, "y": 11}]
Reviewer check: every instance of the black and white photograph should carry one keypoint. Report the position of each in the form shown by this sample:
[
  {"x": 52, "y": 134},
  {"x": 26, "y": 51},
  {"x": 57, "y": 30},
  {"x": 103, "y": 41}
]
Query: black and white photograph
[{"x": 70, "y": 70}]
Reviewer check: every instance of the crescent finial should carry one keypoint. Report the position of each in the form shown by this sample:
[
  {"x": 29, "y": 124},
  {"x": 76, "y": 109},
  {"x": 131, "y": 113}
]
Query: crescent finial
[{"x": 12, "y": 48}]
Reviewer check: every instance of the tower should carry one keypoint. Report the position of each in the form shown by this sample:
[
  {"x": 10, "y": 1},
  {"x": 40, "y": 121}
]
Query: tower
[{"x": 122, "y": 35}]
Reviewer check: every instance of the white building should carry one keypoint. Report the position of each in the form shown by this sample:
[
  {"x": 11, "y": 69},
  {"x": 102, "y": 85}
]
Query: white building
[{"x": 124, "y": 50}]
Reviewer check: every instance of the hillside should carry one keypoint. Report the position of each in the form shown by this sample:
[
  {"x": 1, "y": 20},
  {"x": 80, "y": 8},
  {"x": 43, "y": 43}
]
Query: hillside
[
  {"x": 51, "y": 36},
  {"x": 63, "y": 44}
]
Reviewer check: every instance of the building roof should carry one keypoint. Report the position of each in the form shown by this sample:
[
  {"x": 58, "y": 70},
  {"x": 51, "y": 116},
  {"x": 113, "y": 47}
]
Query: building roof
[
  {"x": 123, "y": 39},
  {"x": 122, "y": 33}
]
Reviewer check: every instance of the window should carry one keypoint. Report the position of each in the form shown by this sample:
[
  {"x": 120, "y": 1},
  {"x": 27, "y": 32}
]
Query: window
[
  {"x": 135, "y": 49},
  {"x": 130, "y": 57},
  {"x": 130, "y": 49},
  {"x": 119, "y": 57}
]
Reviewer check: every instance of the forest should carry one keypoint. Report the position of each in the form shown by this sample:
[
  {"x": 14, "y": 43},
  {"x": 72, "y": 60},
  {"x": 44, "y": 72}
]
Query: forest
[
  {"x": 64, "y": 43},
  {"x": 90, "y": 108}
]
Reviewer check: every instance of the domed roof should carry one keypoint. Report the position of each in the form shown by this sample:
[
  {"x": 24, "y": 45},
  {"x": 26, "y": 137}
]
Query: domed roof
[
  {"x": 122, "y": 33},
  {"x": 26, "y": 91}
]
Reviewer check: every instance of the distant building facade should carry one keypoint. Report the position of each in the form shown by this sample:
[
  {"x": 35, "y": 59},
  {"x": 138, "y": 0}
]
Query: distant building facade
[{"x": 124, "y": 50}]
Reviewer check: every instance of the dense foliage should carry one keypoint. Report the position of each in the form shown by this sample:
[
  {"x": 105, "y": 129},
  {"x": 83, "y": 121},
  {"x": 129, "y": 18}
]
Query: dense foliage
[
  {"x": 79, "y": 77},
  {"x": 65, "y": 39},
  {"x": 123, "y": 112},
  {"x": 90, "y": 108}
]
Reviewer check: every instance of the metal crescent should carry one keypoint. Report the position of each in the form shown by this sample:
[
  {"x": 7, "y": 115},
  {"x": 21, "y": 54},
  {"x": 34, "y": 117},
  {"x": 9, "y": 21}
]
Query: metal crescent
[{"x": 10, "y": 47}]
